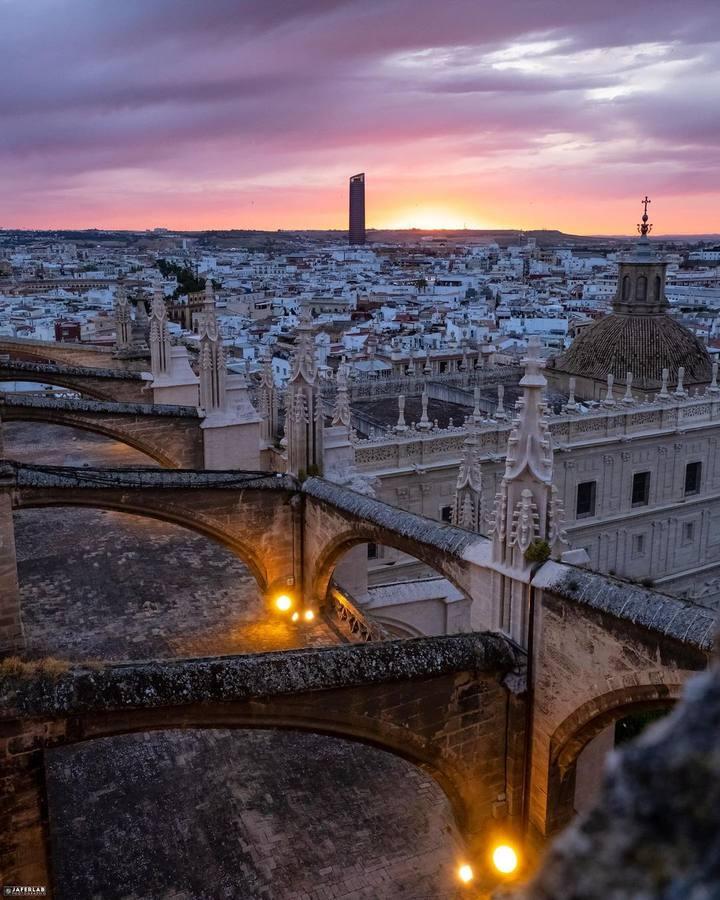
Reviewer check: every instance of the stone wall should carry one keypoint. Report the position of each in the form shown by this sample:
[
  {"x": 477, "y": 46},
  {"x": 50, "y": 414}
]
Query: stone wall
[
  {"x": 439, "y": 702},
  {"x": 102, "y": 384},
  {"x": 337, "y": 519},
  {"x": 601, "y": 650},
  {"x": 654, "y": 830},
  {"x": 248, "y": 512},
  {"x": 170, "y": 435}
]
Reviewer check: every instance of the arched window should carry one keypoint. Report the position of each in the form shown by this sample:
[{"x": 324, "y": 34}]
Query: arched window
[
  {"x": 641, "y": 288},
  {"x": 626, "y": 288},
  {"x": 658, "y": 287}
]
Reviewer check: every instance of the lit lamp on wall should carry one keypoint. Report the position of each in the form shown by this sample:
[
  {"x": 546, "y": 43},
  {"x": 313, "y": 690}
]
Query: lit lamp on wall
[
  {"x": 505, "y": 859},
  {"x": 465, "y": 873},
  {"x": 283, "y": 603}
]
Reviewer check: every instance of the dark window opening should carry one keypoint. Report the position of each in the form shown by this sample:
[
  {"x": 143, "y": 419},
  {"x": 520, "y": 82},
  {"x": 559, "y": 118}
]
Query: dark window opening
[
  {"x": 446, "y": 513},
  {"x": 641, "y": 288},
  {"x": 372, "y": 551},
  {"x": 585, "y": 504},
  {"x": 628, "y": 728},
  {"x": 641, "y": 489},
  {"x": 693, "y": 472},
  {"x": 626, "y": 288}
]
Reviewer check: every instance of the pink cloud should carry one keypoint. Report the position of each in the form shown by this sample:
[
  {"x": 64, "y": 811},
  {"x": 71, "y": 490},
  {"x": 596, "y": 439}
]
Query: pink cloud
[{"x": 180, "y": 113}]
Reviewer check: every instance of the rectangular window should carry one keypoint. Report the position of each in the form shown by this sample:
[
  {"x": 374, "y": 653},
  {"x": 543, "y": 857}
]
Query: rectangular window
[
  {"x": 585, "y": 503},
  {"x": 693, "y": 471},
  {"x": 446, "y": 513},
  {"x": 688, "y": 532},
  {"x": 638, "y": 544},
  {"x": 641, "y": 489},
  {"x": 372, "y": 551}
]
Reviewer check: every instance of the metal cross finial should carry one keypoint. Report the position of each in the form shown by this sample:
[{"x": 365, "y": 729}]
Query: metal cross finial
[{"x": 645, "y": 228}]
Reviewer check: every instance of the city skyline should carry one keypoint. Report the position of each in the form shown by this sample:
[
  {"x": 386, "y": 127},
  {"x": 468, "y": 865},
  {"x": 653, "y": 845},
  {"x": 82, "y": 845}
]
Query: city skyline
[{"x": 531, "y": 116}]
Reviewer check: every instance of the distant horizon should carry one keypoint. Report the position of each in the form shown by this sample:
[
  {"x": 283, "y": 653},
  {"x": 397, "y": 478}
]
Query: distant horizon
[{"x": 370, "y": 230}]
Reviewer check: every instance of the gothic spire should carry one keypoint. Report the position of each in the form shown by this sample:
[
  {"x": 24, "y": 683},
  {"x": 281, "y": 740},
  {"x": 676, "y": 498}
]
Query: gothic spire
[
  {"x": 213, "y": 366},
  {"x": 467, "y": 503},
  {"x": 341, "y": 410},
  {"x": 527, "y": 509},
  {"x": 123, "y": 319},
  {"x": 303, "y": 417},
  {"x": 159, "y": 340}
]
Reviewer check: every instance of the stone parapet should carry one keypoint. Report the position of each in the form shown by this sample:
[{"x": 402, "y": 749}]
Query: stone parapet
[{"x": 182, "y": 682}]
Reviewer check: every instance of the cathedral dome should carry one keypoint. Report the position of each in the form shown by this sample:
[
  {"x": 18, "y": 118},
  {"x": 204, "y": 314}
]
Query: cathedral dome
[
  {"x": 643, "y": 345},
  {"x": 639, "y": 336}
]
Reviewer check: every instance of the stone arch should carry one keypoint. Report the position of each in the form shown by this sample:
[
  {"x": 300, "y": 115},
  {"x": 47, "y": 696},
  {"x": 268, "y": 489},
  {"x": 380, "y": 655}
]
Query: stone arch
[
  {"x": 77, "y": 384},
  {"x": 372, "y": 731},
  {"x": 188, "y": 518},
  {"x": 585, "y": 723},
  {"x": 323, "y": 565},
  {"x": 52, "y": 417}
]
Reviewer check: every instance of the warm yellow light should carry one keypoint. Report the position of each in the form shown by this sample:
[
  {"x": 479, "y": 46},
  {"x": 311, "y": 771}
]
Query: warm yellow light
[
  {"x": 465, "y": 873},
  {"x": 505, "y": 859},
  {"x": 309, "y": 615},
  {"x": 283, "y": 602},
  {"x": 295, "y": 616}
]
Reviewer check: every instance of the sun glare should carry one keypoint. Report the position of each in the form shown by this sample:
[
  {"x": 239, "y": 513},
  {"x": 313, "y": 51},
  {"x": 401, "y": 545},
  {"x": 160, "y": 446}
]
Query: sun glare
[{"x": 433, "y": 217}]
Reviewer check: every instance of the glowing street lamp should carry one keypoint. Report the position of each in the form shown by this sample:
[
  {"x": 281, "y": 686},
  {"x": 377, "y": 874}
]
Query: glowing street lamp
[
  {"x": 466, "y": 874},
  {"x": 309, "y": 615},
  {"x": 283, "y": 603},
  {"x": 505, "y": 859}
]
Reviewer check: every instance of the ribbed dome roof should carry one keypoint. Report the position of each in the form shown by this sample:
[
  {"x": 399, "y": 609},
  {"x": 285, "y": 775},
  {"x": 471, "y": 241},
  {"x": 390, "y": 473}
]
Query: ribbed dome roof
[{"x": 641, "y": 344}]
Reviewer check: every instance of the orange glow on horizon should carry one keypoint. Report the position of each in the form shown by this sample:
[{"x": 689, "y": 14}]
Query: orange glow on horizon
[{"x": 389, "y": 206}]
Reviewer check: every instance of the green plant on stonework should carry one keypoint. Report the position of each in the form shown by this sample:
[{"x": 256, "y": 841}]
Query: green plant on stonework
[
  {"x": 538, "y": 552},
  {"x": 313, "y": 470}
]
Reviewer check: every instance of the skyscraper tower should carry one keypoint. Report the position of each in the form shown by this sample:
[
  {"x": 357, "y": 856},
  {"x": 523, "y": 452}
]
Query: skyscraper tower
[{"x": 357, "y": 209}]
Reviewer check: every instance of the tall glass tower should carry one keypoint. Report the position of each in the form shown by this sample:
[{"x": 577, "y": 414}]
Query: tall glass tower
[{"x": 357, "y": 209}]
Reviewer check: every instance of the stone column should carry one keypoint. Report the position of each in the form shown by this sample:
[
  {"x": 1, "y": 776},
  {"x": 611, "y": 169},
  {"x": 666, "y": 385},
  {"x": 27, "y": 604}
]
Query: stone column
[
  {"x": 11, "y": 630},
  {"x": 24, "y": 839}
]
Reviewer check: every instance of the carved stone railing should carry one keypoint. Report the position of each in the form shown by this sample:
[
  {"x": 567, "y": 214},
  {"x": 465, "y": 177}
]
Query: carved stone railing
[
  {"x": 350, "y": 620},
  {"x": 382, "y": 384},
  {"x": 594, "y": 425}
]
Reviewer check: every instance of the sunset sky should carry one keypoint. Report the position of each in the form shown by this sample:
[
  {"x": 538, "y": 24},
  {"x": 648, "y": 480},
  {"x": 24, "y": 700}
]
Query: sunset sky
[{"x": 227, "y": 113}]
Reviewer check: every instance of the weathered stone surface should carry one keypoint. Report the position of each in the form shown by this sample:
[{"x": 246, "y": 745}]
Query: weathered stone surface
[
  {"x": 104, "y": 384},
  {"x": 247, "y": 814},
  {"x": 439, "y": 702},
  {"x": 27, "y": 476},
  {"x": 97, "y": 584},
  {"x": 592, "y": 668},
  {"x": 183, "y": 682},
  {"x": 170, "y": 435},
  {"x": 97, "y": 406},
  {"x": 41, "y": 443},
  {"x": 655, "y": 832},
  {"x": 66, "y": 353},
  {"x": 442, "y": 537},
  {"x": 674, "y": 618}
]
